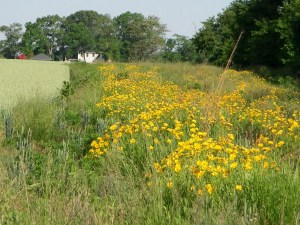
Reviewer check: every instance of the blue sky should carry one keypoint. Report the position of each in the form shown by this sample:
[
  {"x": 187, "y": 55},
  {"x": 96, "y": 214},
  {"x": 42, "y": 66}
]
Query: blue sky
[{"x": 181, "y": 17}]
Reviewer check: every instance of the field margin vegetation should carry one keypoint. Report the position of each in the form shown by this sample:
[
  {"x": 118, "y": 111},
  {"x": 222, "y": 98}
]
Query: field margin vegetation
[{"x": 57, "y": 170}]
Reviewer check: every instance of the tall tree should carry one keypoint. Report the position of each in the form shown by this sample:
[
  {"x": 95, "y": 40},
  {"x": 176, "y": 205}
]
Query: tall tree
[
  {"x": 260, "y": 44},
  {"x": 52, "y": 29},
  {"x": 88, "y": 18},
  {"x": 33, "y": 40},
  {"x": 140, "y": 36},
  {"x": 43, "y": 36},
  {"x": 179, "y": 48},
  {"x": 106, "y": 40},
  {"x": 13, "y": 34},
  {"x": 77, "y": 38},
  {"x": 208, "y": 42},
  {"x": 289, "y": 29},
  {"x": 101, "y": 28},
  {"x": 2, "y": 47}
]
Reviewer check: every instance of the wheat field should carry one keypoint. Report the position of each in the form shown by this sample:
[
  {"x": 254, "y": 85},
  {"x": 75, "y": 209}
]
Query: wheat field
[{"x": 26, "y": 79}]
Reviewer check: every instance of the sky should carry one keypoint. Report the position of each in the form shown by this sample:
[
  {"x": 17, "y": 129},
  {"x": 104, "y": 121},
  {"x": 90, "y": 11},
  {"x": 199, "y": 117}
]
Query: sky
[{"x": 181, "y": 17}]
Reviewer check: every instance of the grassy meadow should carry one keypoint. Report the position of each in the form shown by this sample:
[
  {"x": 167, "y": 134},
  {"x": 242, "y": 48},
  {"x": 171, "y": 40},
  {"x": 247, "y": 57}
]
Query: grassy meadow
[
  {"x": 153, "y": 144},
  {"x": 24, "y": 79}
]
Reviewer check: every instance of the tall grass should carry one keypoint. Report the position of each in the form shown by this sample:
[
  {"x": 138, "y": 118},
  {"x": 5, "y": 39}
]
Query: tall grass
[{"x": 48, "y": 177}]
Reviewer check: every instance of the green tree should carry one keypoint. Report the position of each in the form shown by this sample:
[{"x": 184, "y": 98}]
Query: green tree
[
  {"x": 77, "y": 38},
  {"x": 33, "y": 40},
  {"x": 107, "y": 42},
  {"x": 140, "y": 36},
  {"x": 101, "y": 28},
  {"x": 169, "y": 52},
  {"x": 43, "y": 36},
  {"x": 260, "y": 44},
  {"x": 208, "y": 42},
  {"x": 89, "y": 18},
  {"x": 52, "y": 29},
  {"x": 11, "y": 45},
  {"x": 179, "y": 48},
  {"x": 289, "y": 29},
  {"x": 2, "y": 47}
]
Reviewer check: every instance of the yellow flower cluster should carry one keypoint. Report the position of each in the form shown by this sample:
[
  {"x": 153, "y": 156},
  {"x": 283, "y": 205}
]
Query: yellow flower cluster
[{"x": 205, "y": 135}]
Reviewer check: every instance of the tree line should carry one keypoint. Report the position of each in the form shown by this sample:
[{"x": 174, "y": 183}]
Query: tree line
[
  {"x": 130, "y": 36},
  {"x": 127, "y": 37},
  {"x": 271, "y": 36}
]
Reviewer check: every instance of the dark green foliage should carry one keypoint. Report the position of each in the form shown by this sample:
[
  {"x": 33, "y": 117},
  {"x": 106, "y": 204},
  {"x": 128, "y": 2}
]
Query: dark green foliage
[
  {"x": 208, "y": 43},
  {"x": 33, "y": 34},
  {"x": 270, "y": 34},
  {"x": 179, "y": 49},
  {"x": 43, "y": 36},
  {"x": 102, "y": 30},
  {"x": 66, "y": 90},
  {"x": 140, "y": 36},
  {"x": 289, "y": 30},
  {"x": 88, "y": 18},
  {"x": 77, "y": 39}
]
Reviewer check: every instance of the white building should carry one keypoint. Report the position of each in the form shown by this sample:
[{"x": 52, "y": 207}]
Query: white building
[{"x": 87, "y": 56}]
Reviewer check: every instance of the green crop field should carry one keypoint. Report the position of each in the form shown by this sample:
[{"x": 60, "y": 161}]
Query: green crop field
[{"x": 25, "y": 79}]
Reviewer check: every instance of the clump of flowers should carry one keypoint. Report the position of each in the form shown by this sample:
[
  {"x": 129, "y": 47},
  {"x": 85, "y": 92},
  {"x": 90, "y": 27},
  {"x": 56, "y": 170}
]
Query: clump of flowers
[{"x": 206, "y": 136}]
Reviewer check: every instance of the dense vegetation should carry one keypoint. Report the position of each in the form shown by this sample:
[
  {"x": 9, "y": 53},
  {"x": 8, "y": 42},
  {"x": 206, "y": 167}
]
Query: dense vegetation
[
  {"x": 129, "y": 36},
  {"x": 197, "y": 146},
  {"x": 271, "y": 34},
  {"x": 270, "y": 38},
  {"x": 153, "y": 143}
]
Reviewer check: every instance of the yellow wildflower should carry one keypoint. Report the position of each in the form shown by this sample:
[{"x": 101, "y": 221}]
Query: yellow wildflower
[
  {"x": 156, "y": 141},
  {"x": 200, "y": 192},
  {"x": 233, "y": 165},
  {"x": 231, "y": 136},
  {"x": 248, "y": 166},
  {"x": 280, "y": 143},
  {"x": 113, "y": 127},
  {"x": 177, "y": 168},
  {"x": 209, "y": 188},
  {"x": 170, "y": 184},
  {"x": 238, "y": 187},
  {"x": 266, "y": 165}
]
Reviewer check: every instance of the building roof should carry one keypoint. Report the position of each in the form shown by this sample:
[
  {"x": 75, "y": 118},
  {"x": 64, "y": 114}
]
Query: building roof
[{"x": 42, "y": 57}]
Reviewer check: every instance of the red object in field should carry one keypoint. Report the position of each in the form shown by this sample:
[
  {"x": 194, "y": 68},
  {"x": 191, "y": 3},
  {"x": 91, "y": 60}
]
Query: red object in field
[{"x": 21, "y": 56}]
